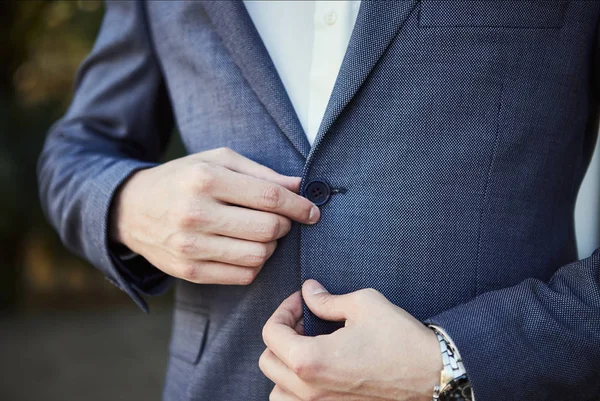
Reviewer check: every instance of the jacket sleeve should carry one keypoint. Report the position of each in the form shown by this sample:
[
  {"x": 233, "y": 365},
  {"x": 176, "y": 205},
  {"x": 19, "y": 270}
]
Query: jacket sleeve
[
  {"x": 119, "y": 121},
  {"x": 534, "y": 341}
]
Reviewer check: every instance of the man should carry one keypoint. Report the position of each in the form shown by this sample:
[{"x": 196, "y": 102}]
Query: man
[{"x": 419, "y": 159}]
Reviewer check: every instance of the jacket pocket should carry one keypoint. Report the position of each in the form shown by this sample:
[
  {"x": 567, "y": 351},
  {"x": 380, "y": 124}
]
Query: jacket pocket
[
  {"x": 190, "y": 328},
  {"x": 548, "y": 14}
]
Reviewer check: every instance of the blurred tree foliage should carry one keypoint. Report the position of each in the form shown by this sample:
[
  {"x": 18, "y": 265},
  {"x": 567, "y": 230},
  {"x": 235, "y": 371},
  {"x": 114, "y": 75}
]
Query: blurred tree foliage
[{"x": 42, "y": 44}]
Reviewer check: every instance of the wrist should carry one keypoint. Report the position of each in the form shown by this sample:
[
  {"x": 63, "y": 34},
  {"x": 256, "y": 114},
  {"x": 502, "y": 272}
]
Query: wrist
[
  {"x": 122, "y": 210},
  {"x": 422, "y": 372},
  {"x": 435, "y": 364}
]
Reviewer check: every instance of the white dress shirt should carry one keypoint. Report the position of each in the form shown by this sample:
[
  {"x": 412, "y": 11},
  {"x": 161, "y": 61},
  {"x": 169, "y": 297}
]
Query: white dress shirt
[{"x": 307, "y": 41}]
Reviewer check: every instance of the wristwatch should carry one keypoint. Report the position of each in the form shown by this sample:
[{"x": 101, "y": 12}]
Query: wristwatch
[{"x": 454, "y": 383}]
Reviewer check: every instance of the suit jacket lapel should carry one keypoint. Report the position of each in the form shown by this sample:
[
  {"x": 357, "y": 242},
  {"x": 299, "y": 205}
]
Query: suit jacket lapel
[
  {"x": 377, "y": 23},
  {"x": 233, "y": 24}
]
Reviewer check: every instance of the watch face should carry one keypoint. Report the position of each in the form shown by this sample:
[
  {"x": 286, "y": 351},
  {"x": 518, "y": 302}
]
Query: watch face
[{"x": 457, "y": 390}]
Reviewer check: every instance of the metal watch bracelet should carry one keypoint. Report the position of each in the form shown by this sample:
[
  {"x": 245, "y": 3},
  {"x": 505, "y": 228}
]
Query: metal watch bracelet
[{"x": 453, "y": 374}]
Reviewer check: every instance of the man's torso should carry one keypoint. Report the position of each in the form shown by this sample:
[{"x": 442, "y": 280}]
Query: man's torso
[{"x": 457, "y": 154}]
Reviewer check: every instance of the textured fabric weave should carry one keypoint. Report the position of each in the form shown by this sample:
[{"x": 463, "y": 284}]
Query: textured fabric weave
[{"x": 460, "y": 131}]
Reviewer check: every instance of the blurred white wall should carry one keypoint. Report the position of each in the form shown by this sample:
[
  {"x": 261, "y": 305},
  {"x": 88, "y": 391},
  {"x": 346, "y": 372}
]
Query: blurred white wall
[{"x": 587, "y": 210}]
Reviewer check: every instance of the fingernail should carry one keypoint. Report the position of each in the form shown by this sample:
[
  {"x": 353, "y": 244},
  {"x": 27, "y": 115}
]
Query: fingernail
[
  {"x": 314, "y": 215},
  {"x": 314, "y": 287}
]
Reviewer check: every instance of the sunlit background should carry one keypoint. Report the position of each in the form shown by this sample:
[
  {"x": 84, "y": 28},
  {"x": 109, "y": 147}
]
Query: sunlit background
[{"x": 65, "y": 333}]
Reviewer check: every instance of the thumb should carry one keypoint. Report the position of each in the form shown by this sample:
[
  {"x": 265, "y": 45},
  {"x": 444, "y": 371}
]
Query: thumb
[{"x": 325, "y": 305}]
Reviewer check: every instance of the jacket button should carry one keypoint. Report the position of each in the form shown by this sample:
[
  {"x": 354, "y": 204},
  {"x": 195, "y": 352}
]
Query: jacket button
[{"x": 317, "y": 191}]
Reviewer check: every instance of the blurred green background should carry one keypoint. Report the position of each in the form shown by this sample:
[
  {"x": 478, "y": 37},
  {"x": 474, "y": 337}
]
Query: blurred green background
[{"x": 65, "y": 333}]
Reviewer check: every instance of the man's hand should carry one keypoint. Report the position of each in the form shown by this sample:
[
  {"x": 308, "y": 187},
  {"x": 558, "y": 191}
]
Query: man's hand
[
  {"x": 212, "y": 217},
  {"x": 382, "y": 353}
]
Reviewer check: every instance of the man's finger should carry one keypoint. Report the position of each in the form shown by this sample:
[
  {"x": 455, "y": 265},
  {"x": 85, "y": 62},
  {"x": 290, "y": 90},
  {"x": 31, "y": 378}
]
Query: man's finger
[
  {"x": 215, "y": 273},
  {"x": 279, "y": 394},
  {"x": 244, "y": 190},
  {"x": 234, "y": 161},
  {"x": 276, "y": 371},
  {"x": 325, "y": 305},
  {"x": 279, "y": 333},
  {"x": 243, "y": 223},
  {"x": 223, "y": 249}
]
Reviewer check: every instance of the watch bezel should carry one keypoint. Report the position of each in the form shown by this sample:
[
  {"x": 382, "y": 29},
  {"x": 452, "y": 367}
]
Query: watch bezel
[{"x": 458, "y": 389}]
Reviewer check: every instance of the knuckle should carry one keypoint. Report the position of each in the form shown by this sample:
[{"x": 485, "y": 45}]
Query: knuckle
[
  {"x": 224, "y": 151},
  {"x": 367, "y": 295},
  {"x": 301, "y": 369},
  {"x": 184, "y": 244},
  {"x": 195, "y": 217},
  {"x": 205, "y": 177},
  {"x": 190, "y": 272},
  {"x": 272, "y": 197},
  {"x": 258, "y": 256},
  {"x": 274, "y": 228},
  {"x": 303, "y": 364},
  {"x": 270, "y": 230},
  {"x": 248, "y": 276},
  {"x": 285, "y": 225}
]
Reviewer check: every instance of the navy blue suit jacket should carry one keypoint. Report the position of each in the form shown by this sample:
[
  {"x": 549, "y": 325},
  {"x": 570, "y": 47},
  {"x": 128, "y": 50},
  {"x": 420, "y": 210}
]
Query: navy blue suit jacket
[{"x": 460, "y": 131}]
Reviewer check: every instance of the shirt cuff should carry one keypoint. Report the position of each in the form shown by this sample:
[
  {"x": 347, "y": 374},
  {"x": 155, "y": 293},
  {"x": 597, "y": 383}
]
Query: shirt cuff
[
  {"x": 127, "y": 256},
  {"x": 143, "y": 277}
]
